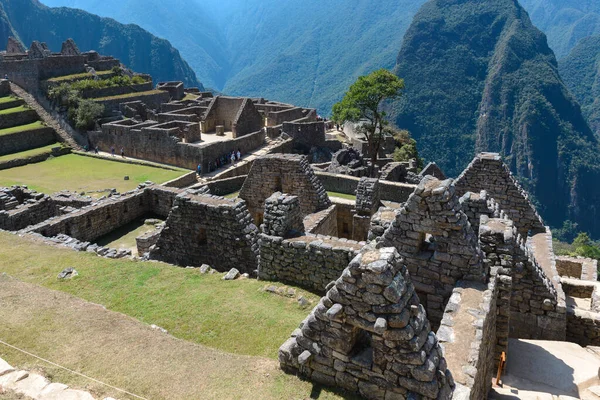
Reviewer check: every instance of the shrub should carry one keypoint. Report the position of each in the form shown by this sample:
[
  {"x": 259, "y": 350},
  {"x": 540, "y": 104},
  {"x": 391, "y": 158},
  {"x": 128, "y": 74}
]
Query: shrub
[{"x": 87, "y": 113}]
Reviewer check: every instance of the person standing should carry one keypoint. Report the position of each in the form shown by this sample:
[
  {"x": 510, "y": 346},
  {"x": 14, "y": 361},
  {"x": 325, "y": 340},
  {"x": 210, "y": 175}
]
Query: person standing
[
  {"x": 199, "y": 170},
  {"x": 112, "y": 150},
  {"x": 122, "y": 153}
]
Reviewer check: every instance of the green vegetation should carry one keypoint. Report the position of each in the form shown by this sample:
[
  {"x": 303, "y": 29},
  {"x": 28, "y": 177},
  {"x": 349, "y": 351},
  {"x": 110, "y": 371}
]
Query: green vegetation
[
  {"x": 125, "y": 96},
  {"x": 342, "y": 195},
  {"x": 75, "y": 77},
  {"x": 86, "y": 114},
  {"x": 74, "y": 89},
  {"x": 406, "y": 147},
  {"x": 24, "y": 154},
  {"x": 470, "y": 88},
  {"x": 15, "y": 110},
  {"x": 363, "y": 103},
  {"x": 124, "y": 237},
  {"x": 83, "y": 174},
  {"x": 200, "y": 308},
  {"x": 22, "y": 128},
  {"x": 8, "y": 99},
  {"x": 581, "y": 72}
]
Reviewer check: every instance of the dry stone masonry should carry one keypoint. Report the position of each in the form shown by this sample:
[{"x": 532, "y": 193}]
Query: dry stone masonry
[{"x": 370, "y": 335}]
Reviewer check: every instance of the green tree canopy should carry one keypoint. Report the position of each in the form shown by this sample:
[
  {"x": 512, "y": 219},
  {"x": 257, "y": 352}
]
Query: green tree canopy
[{"x": 363, "y": 103}]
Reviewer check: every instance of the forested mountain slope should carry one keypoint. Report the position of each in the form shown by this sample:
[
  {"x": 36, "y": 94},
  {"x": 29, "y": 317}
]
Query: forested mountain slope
[
  {"x": 565, "y": 22},
  {"x": 581, "y": 72},
  {"x": 480, "y": 77},
  {"x": 141, "y": 51}
]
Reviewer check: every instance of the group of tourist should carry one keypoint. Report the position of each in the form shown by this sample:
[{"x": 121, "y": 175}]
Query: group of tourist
[{"x": 230, "y": 158}]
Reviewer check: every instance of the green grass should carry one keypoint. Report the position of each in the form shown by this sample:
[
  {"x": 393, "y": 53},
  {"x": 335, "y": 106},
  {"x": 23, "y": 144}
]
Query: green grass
[
  {"x": 235, "y": 316},
  {"x": 15, "y": 110},
  {"x": 22, "y": 128},
  {"x": 342, "y": 195},
  {"x": 80, "y": 173},
  {"x": 8, "y": 99},
  {"x": 25, "y": 154},
  {"x": 233, "y": 195},
  {"x": 124, "y": 237},
  {"x": 78, "y": 76},
  {"x": 125, "y": 96}
]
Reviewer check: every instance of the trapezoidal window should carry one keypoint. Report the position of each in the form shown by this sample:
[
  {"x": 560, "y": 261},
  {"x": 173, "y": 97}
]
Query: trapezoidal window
[
  {"x": 362, "y": 350},
  {"x": 202, "y": 239},
  {"x": 277, "y": 185}
]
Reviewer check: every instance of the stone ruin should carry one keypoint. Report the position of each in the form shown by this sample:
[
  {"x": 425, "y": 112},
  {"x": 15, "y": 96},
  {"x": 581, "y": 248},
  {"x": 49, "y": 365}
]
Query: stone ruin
[
  {"x": 349, "y": 161},
  {"x": 14, "y": 46},
  {"x": 287, "y": 173},
  {"x": 69, "y": 48},
  {"x": 370, "y": 335}
]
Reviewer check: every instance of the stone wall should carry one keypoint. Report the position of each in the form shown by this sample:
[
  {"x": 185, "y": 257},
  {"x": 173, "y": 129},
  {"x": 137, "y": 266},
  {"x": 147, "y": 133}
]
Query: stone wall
[
  {"x": 18, "y": 118},
  {"x": 146, "y": 241},
  {"x": 159, "y": 146},
  {"x": 311, "y": 261},
  {"x": 474, "y": 205},
  {"x": 116, "y": 90},
  {"x": 17, "y": 162},
  {"x": 205, "y": 229},
  {"x": 183, "y": 181},
  {"x": 227, "y": 186},
  {"x": 577, "y": 267},
  {"x": 4, "y": 87},
  {"x": 279, "y": 117},
  {"x": 369, "y": 335},
  {"x": 152, "y": 100},
  {"x": 468, "y": 334},
  {"x": 27, "y": 72},
  {"x": 389, "y": 191},
  {"x": 21, "y": 141},
  {"x": 439, "y": 246},
  {"x": 583, "y": 327},
  {"x": 247, "y": 120},
  {"x": 488, "y": 172},
  {"x": 286, "y": 173},
  {"x": 324, "y": 222},
  {"x": 305, "y": 135}
]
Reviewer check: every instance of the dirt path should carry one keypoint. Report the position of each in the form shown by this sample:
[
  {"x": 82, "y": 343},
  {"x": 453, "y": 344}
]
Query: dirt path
[{"x": 125, "y": 353}]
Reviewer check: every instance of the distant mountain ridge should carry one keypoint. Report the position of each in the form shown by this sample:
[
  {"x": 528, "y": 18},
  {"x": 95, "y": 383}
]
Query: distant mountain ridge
[
  {"x": 581, "y": 73},
  {"x": 29, "y": 20},
  {"x": 480, "y": 77}
]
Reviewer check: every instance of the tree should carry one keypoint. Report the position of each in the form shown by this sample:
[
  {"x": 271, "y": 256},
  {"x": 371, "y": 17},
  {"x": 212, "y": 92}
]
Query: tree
[
  {"x": 406, "y": 147},
  {"x": 87, "y": 113},
  {"x": 363, "y": 103}
]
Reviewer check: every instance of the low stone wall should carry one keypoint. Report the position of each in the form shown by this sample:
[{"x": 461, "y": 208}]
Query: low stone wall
[
  {"x": 580, "y": 289},
  {"x": 26, "y": 140},
  {"x": 226, "y": 186},
  {"x": 18, "y": 162},
  {"x": 27, "y": 215},
  {"x": 183, "y": 181},
  {"x": 390, "y": 191},
  {"x": 116, "y": 90},
  {"x": 468, "y": 333},
  {"x": 18, "y": 118},
  {"x": 474, "y": 205},
  {"x": 11, "y": 104},
  {"x": 205, "y": 229},
  {"x": 324, "y": 222},
  {"x": 577, "y": 267},
  {"x": 146, "y": 241},
  {"x": 583, "y": 327},
  {"x": 153, "y": 101},
  {"x": 310, "y": 261},
  {"x": 99, "y": 219}
]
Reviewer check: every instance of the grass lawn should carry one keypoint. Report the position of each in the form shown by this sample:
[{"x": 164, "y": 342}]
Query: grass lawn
[
  {"x": 342, "y": 195},
  {"x": 235, "y": 316},
  {"x": 83, "y": 75},
  {"x": 124, "y": 96},
  {"x": 24, "y": 154},
  {"x": 124, "y": 237},
  {"x": 22, "y": 128},
  {"x": 233, "y": 195},
  {"x": 15, "y": 110},
  {"x": 83, "y": 174},
  {"x": 8, "y": 99}
]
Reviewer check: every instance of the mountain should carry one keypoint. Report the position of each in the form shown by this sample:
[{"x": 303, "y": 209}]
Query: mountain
[
  {"x": 302, "y": 52},
  {"x": 565, "y": 22},
  {"x": 30, "y": 20},
  {"x": 581, "y": 73},
  {"x": 185, "y": 23},
  {"x": 480, "y": 77}
]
